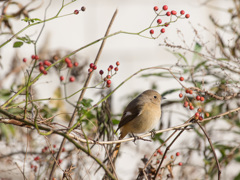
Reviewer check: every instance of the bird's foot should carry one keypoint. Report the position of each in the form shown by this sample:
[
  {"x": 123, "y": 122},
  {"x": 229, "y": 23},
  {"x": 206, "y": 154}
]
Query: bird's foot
[
  {"x": 139, "y": 138},
  {"x": 153, "y": 133}
]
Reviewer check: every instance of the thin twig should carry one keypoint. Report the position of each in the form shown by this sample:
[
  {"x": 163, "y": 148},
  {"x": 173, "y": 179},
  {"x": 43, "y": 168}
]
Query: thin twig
[
  {"x": 83, "y": 92},
  {"x": 214, "y": 153},
  {"x": 166, "y": 150}
]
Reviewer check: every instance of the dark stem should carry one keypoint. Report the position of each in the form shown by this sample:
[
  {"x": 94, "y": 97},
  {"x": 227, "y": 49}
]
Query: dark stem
[
  {"x": 159, "y": 167},
  {"x": 214, "y": 153}
]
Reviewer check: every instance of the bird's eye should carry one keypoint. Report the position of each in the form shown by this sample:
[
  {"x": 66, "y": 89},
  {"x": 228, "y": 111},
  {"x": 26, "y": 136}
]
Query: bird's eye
[{"x": 155, "y": 97}]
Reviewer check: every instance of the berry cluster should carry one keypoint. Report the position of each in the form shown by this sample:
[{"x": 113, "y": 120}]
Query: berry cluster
[
  {"x": 69, "y": 64},
  {"x": 37, "y": 160},
  {"x": 107, "y": 79},
  {"x": 172, "y": 157},
  {"x": 42, "y": 64},
  {"x": 83, "y": 8},
  {"x": 167, "y": 14},
  {"x": 187, "y": 103},
  {"x": 92, "y": 67}
]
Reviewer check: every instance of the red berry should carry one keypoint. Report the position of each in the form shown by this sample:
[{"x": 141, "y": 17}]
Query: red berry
[
  {"x": 90, "y": 70},
  {"x": 178, "y": 154},
  {"x": 158, "y": 161},
  {"x": 72, "y": 79},
  {"x": 190, "y": 91},
  {"x": 151, "y": 31},
  {"x": 158, "y": 151},
  {"x": 46, "y": 63},
  {"x": 181, "y": 78},
  {"x": 155, "y": 154},
  {"x": 197, "y": 114},
  {"x": 67, "y": 60},
  {"x": 40, "y": 64},
  {"x": 61, "y": 78},
  {"x": 76, "y": 11},
  {"x": 101, "y": 72},
  {"x": 185, "y": 104},
  {"x": 75, "y": 64},
  {"x": 33, "y": 56},
  {"x": 36, "y": 57},
  {"x": 173, "y": 12},
  {"x": 83, "y": 8},
  {"x": 24, "y": 59},
  {"x": 117, "y": 63},
  {"x": 63, "y": 149},
  {"x": 59, "y": 161},
  {"x": 109, "y": 81},
  {"x": 44, "y": 72},
  {"x": 165, "y": 7},
  {"x": 46, "y": 148},
  {"x": 159, "y": 21},
  {"x": 32, "y": 166},
  {"x": 91, "y": 65},
  {"x": 111, "y": 66},
  {"x": 36, "y": 158},
  {"x": 166, "y": 24},
  {"x": 207, "y": 114},
  {"x": 199, "y": 110},
  {"x": 168, "y": 13},
  {"x": 69, "y": 65},
  {"x": 187, "y": 16},
  {"x": 182, "y": 12},
  {"x": 43, "y": 150},
  {"x": 191, "y": 107},
  {"x": 54, "y": 146},
  {"x": 162, "y": 30},
  {"x": 109, "y": 69},
  {"x": 155, "y": 8},
  {"x": 200, "y": 118},
  {"x": 187, "y": 91},
  {"x": 180, "y": 164},
  {"x": 202, "y": 99},
  {"x": 198, "y": 98},
  {"x": 116, "y": 69},
  {"x": 94, "y": 67},
  {"x": 180, "y": 95},
  {"x": 41, "y": 68},
  {"x": 108, "y": 76},
  {"x": 108, "y": 85},
  {"x": 35, "y": 168}
]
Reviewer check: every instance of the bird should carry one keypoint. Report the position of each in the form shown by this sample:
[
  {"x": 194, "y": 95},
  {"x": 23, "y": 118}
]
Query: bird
[{"x": 140, "y": 116}]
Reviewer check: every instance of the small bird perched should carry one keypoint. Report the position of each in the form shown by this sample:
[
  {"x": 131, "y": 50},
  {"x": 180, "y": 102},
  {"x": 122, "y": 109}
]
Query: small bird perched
[{"x": 141, "y": 115}]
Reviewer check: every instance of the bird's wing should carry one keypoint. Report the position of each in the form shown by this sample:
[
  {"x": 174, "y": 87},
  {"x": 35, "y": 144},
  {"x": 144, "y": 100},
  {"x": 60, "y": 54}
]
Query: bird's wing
[{"x": 131, "y": 111}]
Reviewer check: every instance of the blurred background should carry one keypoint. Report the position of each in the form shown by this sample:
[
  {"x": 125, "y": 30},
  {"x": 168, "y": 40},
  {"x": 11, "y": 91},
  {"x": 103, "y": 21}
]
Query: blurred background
[{"x": 66, "y": 34}]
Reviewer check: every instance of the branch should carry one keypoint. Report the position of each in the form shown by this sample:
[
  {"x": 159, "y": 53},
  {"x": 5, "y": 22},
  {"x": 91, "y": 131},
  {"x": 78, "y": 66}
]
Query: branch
[
  {"x": 82, "y": 94},
  {"x": 214, "y": 153}
]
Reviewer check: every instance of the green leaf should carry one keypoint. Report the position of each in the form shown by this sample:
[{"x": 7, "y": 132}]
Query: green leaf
[
  {"x": 170, "y": 91},
  {"x": 25, "y": 39},
  {"x": 237, "y": 177},
  {"x": 197, "y": 47},
  {"x": 29, "y": 20},
  {"x": 163, "y": 74},
  {"x": 17, "y": 44},
  {"x": 115, "y": 121}
]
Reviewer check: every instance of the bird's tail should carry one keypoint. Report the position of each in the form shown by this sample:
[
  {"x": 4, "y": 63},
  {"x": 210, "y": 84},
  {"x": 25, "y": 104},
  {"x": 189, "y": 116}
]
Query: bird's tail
[
  {"x": 116, "y": 149},
  {"x": 115, "y": 152}
]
